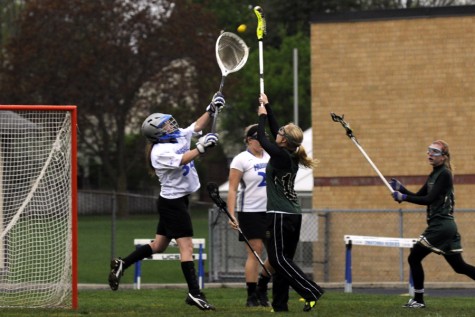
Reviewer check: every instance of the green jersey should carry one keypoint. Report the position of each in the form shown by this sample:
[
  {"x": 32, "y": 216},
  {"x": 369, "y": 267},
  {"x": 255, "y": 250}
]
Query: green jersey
[{"x": 281, "y": 195}]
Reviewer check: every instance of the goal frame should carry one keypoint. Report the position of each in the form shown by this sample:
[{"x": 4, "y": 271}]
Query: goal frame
[{"x": 74, "y": 234}]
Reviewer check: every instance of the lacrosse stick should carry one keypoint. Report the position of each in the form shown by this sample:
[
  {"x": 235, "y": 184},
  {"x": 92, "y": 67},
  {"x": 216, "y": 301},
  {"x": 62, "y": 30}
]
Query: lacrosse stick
[
  {"x": 349, "y": 133},
  {"x": 213, "y": 191},
  {"x": 231, "y": 55},
  {"x": 261, "y": 32}
]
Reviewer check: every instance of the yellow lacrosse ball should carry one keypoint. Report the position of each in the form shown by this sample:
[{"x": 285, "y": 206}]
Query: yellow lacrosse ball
[{"x": 242, "y": 28}]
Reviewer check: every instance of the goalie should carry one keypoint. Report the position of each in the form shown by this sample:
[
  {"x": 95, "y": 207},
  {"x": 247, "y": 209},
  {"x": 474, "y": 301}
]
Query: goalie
[{"x": 171, "y": 160}]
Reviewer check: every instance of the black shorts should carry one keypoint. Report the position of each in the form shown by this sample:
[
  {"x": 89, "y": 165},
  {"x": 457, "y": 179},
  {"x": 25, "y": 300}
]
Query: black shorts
[
  {"x": 252, "y": 224},
  {"x": 175, "y": 219}
]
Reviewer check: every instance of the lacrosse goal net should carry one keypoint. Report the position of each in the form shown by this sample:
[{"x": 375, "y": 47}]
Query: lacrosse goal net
[{"x": 38, "y": 237}]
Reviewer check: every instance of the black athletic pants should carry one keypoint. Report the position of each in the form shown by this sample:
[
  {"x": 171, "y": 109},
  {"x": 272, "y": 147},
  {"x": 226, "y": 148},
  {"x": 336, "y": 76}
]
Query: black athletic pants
[
  {"x": 418, "y": 253},
  {"x": 283, "y": 237}
]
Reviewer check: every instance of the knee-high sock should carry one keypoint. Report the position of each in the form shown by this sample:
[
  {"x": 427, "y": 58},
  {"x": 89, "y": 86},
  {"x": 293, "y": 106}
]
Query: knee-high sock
[
  {"x": 139, "y": 254},
  {"x": 189, "y": 272}
]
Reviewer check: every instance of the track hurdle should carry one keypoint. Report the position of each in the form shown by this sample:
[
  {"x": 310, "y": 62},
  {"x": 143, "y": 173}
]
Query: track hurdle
[
  {"x": 197, "y": 244},
  {"x": 351, "y": 240}
]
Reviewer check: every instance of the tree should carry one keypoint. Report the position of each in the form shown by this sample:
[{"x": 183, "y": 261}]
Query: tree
[
  {"x": 117, "y": 60},
  {"x": 9, "y": 11}
]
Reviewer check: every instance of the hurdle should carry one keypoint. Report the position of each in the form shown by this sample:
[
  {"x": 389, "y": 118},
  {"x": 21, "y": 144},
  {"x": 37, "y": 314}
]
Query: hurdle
[
  {"x": 197, "y": 244},
  {"x": 351, "y": 240}
]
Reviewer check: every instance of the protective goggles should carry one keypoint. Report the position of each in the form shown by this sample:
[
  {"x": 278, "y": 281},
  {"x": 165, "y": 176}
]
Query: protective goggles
[
  {"x": 432, "y": 151},
  {"x": 282, "y": 132}
]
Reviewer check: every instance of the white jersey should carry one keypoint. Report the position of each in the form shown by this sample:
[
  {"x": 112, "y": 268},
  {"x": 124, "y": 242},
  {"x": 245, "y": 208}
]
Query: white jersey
[
  {"x": 176, "y": 180},
  {"x": 252, "y": 196}
]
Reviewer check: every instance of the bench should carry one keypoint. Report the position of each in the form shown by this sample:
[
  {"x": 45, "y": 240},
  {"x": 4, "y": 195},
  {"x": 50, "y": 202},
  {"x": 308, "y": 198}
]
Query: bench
[
  {"x": 351, "y": 240},
  {"x": 200, "y": 256}
]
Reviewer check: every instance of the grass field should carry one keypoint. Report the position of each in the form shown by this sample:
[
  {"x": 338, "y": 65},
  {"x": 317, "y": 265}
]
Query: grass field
[
  {"x": 94, "y": 257},
  {"x": 230, "y": 302},
  {"x": 94, "y": 247}
]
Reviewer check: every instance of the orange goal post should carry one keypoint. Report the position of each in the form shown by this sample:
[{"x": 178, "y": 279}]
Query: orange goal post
[{"x": 38, "y": 206}]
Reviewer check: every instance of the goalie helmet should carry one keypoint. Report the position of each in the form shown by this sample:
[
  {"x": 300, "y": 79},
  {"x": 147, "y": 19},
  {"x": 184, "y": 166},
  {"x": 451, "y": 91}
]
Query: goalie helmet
[{"x": 160, "y": 127}]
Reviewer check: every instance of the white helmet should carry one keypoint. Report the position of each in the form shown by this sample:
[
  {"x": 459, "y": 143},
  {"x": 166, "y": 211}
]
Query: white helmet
[{"x": 159, "y": 127}]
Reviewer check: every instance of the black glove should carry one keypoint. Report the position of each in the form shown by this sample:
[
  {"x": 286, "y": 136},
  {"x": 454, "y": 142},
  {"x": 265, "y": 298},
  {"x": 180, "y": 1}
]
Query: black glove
[
  {"x": 207, "y": 141},
  {"x": 217, "y": 104}
]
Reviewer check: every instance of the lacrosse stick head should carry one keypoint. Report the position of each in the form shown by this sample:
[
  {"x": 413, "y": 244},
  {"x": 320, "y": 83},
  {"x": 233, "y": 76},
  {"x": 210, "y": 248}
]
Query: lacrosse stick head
[
  {"x": 261, "y": 23},
  {"x": 231, "y": 53},
  {"x": 341, "y": 120},
  {"x": 213, "y": 191}
]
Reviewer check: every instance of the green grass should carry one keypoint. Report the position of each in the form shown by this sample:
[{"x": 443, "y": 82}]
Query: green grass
[
  {"x": 94, "y": 247},
  {"x": 231, "y": 302},
  {"x": 94, "y": 255}
]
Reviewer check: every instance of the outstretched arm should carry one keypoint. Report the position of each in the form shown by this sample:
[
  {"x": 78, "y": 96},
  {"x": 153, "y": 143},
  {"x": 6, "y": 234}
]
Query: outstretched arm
[
  {"x": 273, "y": 124},
  {"x": 424, "y": 197}
]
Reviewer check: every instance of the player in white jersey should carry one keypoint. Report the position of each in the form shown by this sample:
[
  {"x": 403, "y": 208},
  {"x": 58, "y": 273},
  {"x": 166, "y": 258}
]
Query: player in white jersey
[
  {"x": 171, "y": 159},
  {"x": 247, "y": 196}
]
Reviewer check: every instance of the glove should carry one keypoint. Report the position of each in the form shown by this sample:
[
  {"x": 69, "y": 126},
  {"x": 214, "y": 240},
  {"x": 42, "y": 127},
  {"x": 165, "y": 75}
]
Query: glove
[
  {"x": 206, "y": 141},
  {"x": 396, "y": 185},
  {"x": 399, "y": 197},
  {"x": 217, "y": 104}
]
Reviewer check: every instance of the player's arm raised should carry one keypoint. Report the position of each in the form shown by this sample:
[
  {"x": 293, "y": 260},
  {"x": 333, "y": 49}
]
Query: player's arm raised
[
  {"x": 216, "y": 105},
  {"x": 204, "y": 143}
]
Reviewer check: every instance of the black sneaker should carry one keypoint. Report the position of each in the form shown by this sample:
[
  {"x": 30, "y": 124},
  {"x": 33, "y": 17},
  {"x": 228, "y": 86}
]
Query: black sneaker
[
  {"x": 414, "y": 304},
  {"x": 117, "y": 270},
  {"x": 262, "y": 298},
  {"x": 310, "y": 303},
  {"x": 252, "y": 301},
  {"x": 199, "y": 301}
]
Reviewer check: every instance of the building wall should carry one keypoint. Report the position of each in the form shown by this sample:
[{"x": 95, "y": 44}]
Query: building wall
[{"x": 401, "y": 82}]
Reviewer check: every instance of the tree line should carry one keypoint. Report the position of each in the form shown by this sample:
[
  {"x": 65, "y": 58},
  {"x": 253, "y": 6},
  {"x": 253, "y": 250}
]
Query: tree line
[{"x": 119, "y": 60}]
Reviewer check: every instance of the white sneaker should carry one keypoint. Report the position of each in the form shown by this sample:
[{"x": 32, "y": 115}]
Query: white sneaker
[{"x": 414, "y": 304}]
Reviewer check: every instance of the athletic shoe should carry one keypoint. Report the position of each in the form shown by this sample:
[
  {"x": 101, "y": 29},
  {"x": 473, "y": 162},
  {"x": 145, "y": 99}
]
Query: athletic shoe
[
  {"x": 414, "y": 304},
  {"x": 252, "y": 301},
  {"x": 117, "y": 270},
  {"x": 199, "y": 301},
  {"x": 310, "y": 303},
  {"x": 279, "y": 310},
  {"x": 262, "y": 298}
]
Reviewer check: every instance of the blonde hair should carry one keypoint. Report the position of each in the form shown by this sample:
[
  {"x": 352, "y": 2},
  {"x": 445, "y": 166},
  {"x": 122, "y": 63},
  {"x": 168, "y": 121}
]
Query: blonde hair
[
  {"x": 294, "y": 136},
  {"x": 446, "y": 152}
]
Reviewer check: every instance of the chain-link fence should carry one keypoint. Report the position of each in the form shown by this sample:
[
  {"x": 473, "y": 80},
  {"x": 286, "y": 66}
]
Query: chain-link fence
[
  {"x": 94, "y": 202},
  {"x": 321, "y": 251},
  {"x": 228, "y": 254}
]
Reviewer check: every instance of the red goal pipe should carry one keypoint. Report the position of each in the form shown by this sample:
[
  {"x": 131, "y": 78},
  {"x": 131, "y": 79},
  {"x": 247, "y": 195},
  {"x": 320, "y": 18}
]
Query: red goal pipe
[
  {"x": 74, "y": 222},
  {"x": 74, "y": 218}
]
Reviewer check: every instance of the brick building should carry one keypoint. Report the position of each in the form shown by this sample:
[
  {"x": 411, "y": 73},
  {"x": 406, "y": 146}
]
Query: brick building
[{"x": 402, "y": 78}]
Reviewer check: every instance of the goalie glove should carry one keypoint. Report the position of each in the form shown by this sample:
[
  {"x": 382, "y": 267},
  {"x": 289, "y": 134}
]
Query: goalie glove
[
  {"x": 206, "y": 141},
  {"x": 217, "y": 104}
]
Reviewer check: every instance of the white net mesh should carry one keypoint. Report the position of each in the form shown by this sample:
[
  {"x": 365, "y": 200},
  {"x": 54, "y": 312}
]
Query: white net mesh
[
  {"x": 231, "y": 52},
  {"x": 35, "y": 208}
]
